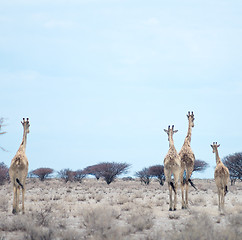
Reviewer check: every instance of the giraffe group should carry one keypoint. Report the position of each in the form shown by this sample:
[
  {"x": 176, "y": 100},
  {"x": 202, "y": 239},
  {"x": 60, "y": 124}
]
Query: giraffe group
[{"x": 181, "y": 166}]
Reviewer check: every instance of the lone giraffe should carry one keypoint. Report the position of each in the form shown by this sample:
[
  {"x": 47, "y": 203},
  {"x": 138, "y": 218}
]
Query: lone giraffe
[
  {"x": 19, "y": 169},
  {"x": 172, "y": 165},
  {"x": 187, "y": 161},
  {"x": 221, "y": 176}
]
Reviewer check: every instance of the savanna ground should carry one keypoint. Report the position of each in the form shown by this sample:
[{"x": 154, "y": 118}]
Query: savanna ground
[{"x": 123, "y": 210}]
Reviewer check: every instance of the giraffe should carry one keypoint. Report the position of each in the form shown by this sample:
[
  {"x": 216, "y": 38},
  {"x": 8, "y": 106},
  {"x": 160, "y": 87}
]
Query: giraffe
[
  {"x": 172, "y": 164},
  {"x": 187, "y": 161},
  {"x": 221, "y": 176},
  {"x": 19, "y": 169}
]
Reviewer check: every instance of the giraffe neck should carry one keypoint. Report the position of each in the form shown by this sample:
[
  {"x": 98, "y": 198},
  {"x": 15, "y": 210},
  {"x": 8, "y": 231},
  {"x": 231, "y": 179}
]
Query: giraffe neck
[
  {"x": 189, "y": 134},
  {"x": 171, "y": 142},
  {"x": 24, "y": 141},
  {"x": 217, "y": 156}
]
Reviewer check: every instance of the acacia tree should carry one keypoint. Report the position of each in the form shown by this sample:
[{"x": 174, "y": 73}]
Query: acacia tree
[
  {"x": 109, "y": 171},
  {"x": 144, "y": 176},
  {"x": 200, "y": 166},
  {"x": 234, "y": 163},
  {"x": 157, "y": 171},
  {"x": 4, "y": 176},
  {"x": 42, "y": 173}
]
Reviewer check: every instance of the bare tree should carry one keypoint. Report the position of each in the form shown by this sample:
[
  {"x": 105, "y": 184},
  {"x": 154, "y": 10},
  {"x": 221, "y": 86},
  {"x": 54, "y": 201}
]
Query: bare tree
[
  {"x": 70, "y": 176},
  {"x": 4, "y": 176},
  {"x": 234, "y": 163},
  {"x": 66, "y": 174},
  {"x": 1, "y": 125},
  {"x": 79, "y": 175},
  {"x": 200, "y": 166},
  {"x": 157, "y": 171},
  {"x": 144, "y": 176},
  {"x": 42, "y": 173}
]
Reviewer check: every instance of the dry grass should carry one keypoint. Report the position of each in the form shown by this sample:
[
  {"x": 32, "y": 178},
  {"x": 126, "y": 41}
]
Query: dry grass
[
  {"x": 201, "y": 227},
  {"x": 3, "y": 203},
  {"x": 124, "y": 210},
  {"x": 140, "y": 219}
]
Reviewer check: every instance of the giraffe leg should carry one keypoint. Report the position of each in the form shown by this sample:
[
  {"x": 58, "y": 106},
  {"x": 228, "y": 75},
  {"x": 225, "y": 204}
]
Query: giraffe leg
[
  {"x": 170, "y": 194},
  {"x": 23, "y": 193},
  {"x": 222, "y": 199},
  {"x": 186, "y": 194},
  {"x": 17, "y": 200},
  {"x": 176, "y": 178},
  {"x": 168, "y": 180},
  {"x": 219, "y": 200},
  {"x": 182, "y": 192},
  {"x": 14, "y": 199},
  {"x": 182, "y": 189},
  {"x": 188, "y": 175}
]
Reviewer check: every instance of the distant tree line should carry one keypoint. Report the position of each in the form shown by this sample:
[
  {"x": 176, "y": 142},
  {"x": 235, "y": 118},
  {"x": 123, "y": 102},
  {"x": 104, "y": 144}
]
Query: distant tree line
[{"x": 109, "y": 171}]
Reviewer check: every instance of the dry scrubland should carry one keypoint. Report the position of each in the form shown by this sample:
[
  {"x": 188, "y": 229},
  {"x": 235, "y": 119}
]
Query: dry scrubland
[{"x": 121, "y": 210}]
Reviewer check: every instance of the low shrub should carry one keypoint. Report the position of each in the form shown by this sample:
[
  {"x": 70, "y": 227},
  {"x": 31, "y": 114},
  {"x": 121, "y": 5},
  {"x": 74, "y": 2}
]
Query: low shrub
[
  {"x": 4, "y": 176},
  {"x": 100, "y": 223},
  {"x": 141, "y": 219}
]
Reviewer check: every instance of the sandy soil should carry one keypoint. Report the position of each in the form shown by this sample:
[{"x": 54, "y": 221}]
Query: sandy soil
[{"x": 122, "y": 210}]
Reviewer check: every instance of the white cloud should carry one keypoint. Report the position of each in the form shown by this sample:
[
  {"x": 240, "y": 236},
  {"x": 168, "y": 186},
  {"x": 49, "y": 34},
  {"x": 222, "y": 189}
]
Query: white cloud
[
  {"x": 152, "y": 22},
  {"x": 58, "y": 24},
  {"x": 41, "y": 2},
  {"x": 48, "y": 21}
]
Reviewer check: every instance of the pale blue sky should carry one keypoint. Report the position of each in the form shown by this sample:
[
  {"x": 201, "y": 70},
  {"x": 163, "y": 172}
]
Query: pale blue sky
[{"x": 100, "y": 80}]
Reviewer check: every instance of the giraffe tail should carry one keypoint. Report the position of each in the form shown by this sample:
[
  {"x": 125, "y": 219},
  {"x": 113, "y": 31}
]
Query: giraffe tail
[
  {"x": 190, "y": 181},
  {"x": 20, "y": 184},
  {"x": 173, "y": 187},
  {"x": 225, "y": 190}
]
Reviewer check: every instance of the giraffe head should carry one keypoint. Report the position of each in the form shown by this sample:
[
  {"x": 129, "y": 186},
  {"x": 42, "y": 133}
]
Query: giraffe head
[
  {"x": 170, "y": 131},
  {"x": 215, "y": 146},
  {"x": 26, "y": 124},
  {"x": 191, "y": 118}
]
